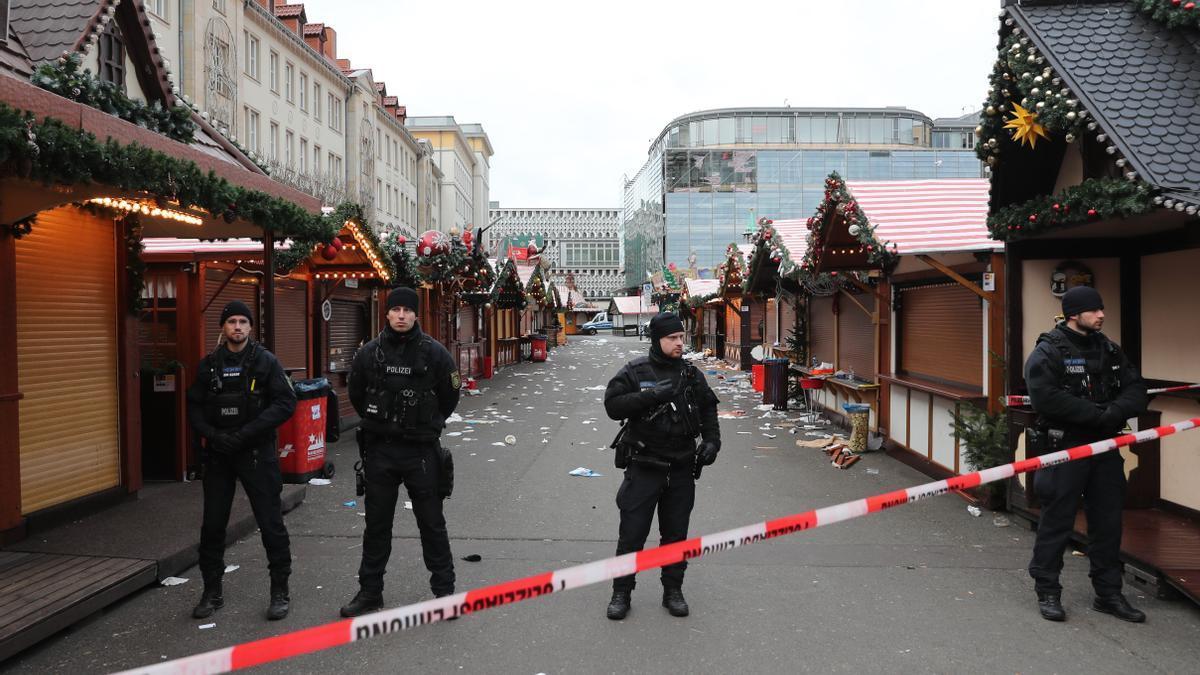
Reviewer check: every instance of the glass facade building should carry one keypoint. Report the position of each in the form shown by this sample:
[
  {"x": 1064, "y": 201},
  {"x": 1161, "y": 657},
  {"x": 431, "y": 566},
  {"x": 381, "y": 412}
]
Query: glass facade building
[{"x": 711, "y": 174}]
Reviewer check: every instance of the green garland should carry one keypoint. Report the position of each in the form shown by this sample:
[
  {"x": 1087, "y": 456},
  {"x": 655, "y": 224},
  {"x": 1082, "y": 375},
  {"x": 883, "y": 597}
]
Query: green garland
[
  {"x": 69, "y": 79},
  {"x": 696, "y": 301},
  {"x": 838, "y": 199},
  {"x": 507, "y": 293},
  {"x": 52, "y": 152},
  {"x": 1020, "y": 75},
  {"x": 476, "y": 272},
  {"x": 734, "y": 266},
  {"x": 1093, "y": 199},
  {"x": 445, "y": 266},
  {"x": 767, "y": 241},
  {"x": 405, "y": 272},
  {"x": 1172, "y": 13}
]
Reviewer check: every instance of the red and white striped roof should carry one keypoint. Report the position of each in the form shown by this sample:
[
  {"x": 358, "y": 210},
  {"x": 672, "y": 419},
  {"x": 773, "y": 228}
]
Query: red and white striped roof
[
  {"x": 238, "y": 245},
  {"x": 632, "y": 304},
  {"x": 794, "y": 233},
  {"x": 927, "y": 216},
  {"x": 698, "y": 288}
]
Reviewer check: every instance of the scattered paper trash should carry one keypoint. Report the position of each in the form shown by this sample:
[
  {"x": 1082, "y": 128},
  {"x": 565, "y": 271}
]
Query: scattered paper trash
[
  {"x": 454, "y": 417},
  {"x": 584, "y": 472},
  {"x": 204, "y": 626},
  {"x": 408, "y": 505},
  {"x": 173, "y": 581},
  {"x": 1001, "y": 521},
  {"x": 351, "y": 504},
  {"x": 510, "y": 440},
  {"x": 232, "y": 568},
  {"x": 873, "y": 472},
  {"x": 1078, "y": 554},
  {"x": 319, "y": 481},
  {"x": 474, "y": 557},
  {"x": 975, "y": 511}
]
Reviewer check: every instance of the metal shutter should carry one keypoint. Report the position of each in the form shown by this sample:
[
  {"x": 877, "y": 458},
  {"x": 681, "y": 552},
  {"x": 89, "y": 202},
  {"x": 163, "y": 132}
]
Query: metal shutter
[
  {"x": 856, "y": 339},
  {"x": 820, "y": 329},
  {"x": 347, "y": 329},
  {"x": 291, "y": 325},
  {"x": 246, "y": 292},
  {"x": 466, "y": 323},
  {"x": 941, "y": 334},
  {"x": 67, "y": 358}
]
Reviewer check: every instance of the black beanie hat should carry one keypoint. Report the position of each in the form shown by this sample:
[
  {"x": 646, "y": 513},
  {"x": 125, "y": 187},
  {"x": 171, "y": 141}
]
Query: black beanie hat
[
  {"x": 1081, "y": 299},
  {"x": 403, "y": 296},
  {"x": 236, "y": 308},
  {"x": 664, "y": 324}
]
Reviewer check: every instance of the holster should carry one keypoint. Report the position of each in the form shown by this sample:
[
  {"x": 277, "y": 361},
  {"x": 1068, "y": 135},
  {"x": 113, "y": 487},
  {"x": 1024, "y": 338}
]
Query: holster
[{"x": 445, "y": 471}]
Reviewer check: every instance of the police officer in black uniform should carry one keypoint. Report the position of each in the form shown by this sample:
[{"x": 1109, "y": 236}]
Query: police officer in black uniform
[
  {"x": 666, "y": 403},
  {"x": 238, "y": 399},
  {"x": 404, "y": 385},
  {"x": 1083, "y": 389}
]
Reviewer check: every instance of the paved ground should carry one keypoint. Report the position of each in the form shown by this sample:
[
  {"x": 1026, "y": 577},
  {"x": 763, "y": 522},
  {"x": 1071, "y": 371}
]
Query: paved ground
[{"x": 922, "y": 588}]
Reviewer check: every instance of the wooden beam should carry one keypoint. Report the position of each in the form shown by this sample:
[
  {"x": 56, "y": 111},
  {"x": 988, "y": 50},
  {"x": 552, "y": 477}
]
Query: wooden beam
[
  {"x": 860, "y": 305},
  {"x": 997, "y": 358},
  {"x": 969, "y": 285}
]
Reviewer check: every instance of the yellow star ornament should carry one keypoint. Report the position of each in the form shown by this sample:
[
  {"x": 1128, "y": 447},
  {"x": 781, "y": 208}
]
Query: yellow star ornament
[{"x": 1025, "y": 126}]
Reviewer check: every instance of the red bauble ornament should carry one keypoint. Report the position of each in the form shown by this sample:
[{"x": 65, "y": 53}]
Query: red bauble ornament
[
  {"x": 1190, "y": 6},
  {"x": 337, "y": 243},
  {"x": 1056, "y": 207},
  {"x": 1092, "y": 213},
  {"x": 402, "y": 240},
  {"x": 433, "y": 242},
  {"x": 1033, "y": 218},
  {"x": 1175, "y": 3},
  {"x": 328, "y": 252}
]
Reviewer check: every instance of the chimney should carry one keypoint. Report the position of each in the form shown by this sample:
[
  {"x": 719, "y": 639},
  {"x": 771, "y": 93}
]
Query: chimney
[
  {"x": 344, "y": 65},
  {"x": 402, "y": 113},
  {"x": 329, "y": 48},
  {"x": 292, "y": 16},
  {"x": 314, "y": 36},
  {"x": 389, "y": 104}
]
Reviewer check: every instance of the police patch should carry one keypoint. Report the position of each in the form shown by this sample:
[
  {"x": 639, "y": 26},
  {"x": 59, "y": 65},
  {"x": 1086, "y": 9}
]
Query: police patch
[{"x": 455, "y": 380}]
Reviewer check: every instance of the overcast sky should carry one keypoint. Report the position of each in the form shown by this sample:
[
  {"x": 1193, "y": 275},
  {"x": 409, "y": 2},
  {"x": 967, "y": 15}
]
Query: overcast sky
[{"x": 571, "y": 94}]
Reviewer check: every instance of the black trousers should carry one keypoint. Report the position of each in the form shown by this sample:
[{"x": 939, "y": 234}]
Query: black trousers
[
  {"x": 386, "y": 467},
  {"x": 673, "y": 493},
  {"x": 1100, "y": 482},
  {"x": 263, "y": 485}
]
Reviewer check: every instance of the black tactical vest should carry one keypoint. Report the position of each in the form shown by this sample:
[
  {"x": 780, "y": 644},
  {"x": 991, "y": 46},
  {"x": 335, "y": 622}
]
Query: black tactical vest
[
  {"x": 401, "y": 397},
  {"x": 234, "y": 391},
  {"x": 1098, "y": 382},
  {"x": 670, "y": 422}
]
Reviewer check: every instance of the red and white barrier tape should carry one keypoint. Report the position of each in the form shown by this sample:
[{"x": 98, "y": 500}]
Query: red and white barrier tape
[
  {"x": 395, "y": 620},
  {"x": 1016, "y": 399}
]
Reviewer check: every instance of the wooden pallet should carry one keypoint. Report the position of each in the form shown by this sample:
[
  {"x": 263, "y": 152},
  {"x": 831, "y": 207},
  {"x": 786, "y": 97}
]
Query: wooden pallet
[{"x": 42, "y": 593}]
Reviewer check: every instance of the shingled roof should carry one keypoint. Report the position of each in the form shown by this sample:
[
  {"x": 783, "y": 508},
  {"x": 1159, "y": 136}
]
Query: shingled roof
[
  {"x": 50, "y": 28},
  {"x": 1139, "y": 78}
]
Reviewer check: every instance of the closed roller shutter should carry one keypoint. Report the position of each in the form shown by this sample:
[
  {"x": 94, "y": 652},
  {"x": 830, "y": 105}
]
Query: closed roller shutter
[
  {"x": 234, "y": 290},
  {"x": 856, "y": 339},
  {"x": 733, "y": 322},
  {"x": 787, "y": 320},
  {"x": 291, "y": 325},
  {"x": 820, "y": 329},
  {"x": 941, "y": 334},
  {"x": 347, "y": 329},
  {"x": 466, "y": 324},
  {"x": 67, "y": 358},
  {"x": 758, "y": 321}
]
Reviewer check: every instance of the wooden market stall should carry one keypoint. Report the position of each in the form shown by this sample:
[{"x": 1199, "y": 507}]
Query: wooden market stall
[
  {"x": 1107, "y": 196},
  {"x": 627, "y": 313},
  {"x": 507, "y": 301},
  {"x": 692, "y": 299}
]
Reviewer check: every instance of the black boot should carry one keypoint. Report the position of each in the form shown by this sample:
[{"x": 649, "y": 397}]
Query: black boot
[
  {"x": 442, "y": 594},
  {"x": 674, "y": 602},
  {"x": 618, "y": 607},
  {"x": 210, "y": 601},
  {"x": 1050, "y": 605},
  {"x": 280, "y": 602},
  {"x": 1119, "y": 607},
  {"x": 364, "y": 602}
]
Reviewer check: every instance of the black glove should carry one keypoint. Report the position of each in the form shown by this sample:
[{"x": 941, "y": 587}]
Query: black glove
[
  {"x": 228, "y": 444},
  {"x": 706, "y": 454},
  {"x": 1112, "y": 420},
  {"x": 662, "y": 392}
]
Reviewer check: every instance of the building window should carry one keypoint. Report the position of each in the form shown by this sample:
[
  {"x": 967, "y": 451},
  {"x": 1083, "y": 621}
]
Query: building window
[
  {"x": 335, "y": 113},
  {"x": 251, "y": 130},
  {"x": 303, "y": 92},
  {"x": 251, "y": 56},
  {"x": 273, "y": 64},
  {"x": 316, "y": 159},
  {"x": 112, "y": 56},
  {"x": 316, "y": 101},
  {"x": 158, "y": 7},
  {"x": 274, "y": 141},
  {"x": 303, "y": 155},
  {"x": 288, "y": 154},
  {"x": 219, "y": 5},
  {"x": 287, "y": 81}
]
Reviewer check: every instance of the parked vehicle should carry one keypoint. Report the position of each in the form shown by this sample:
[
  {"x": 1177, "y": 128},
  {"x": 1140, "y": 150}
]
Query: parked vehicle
[{"x": 598, "y": 323}]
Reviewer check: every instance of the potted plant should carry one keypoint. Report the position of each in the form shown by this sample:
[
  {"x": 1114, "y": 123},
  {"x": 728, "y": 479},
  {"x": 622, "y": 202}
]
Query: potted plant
[{"x": 983, "y": 437}]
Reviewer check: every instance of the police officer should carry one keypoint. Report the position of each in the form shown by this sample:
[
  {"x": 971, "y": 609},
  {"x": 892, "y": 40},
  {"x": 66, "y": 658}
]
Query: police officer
[
  {"x": 238, "y": 399},
  {"x": 404, "y": 385},
  {"x": 666, "y": 403},
  {"x": 1083, "y": 389}
]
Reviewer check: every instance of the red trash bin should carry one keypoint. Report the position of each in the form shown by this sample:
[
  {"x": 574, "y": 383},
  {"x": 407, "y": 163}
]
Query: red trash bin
[
  {"x": 537, "y": 347},
  {"x": 756, "y": 376},
  {"x": 489, "y": 368},
  {"x": 301, "y": 443}
]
